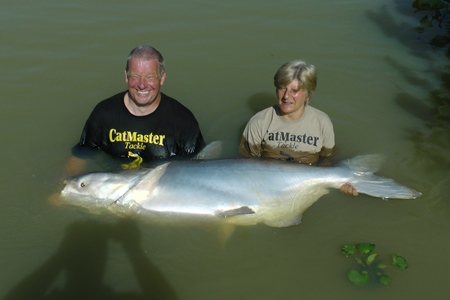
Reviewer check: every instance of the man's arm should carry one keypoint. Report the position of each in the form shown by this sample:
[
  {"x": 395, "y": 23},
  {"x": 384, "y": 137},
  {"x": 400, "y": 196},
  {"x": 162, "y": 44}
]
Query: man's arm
[{"x": 74, "y": 167}]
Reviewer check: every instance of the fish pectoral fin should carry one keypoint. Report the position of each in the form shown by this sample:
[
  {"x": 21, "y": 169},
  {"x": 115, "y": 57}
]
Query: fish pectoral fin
[
  {"x": 144, "y": 187},
  {"x": 243, "y": 210}
]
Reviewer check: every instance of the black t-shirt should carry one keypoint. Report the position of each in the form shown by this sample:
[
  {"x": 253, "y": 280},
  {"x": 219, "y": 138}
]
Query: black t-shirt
[{"x": 170, "y": 130}]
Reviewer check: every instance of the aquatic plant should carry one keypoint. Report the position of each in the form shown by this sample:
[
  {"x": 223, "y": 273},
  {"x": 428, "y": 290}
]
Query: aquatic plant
[{"x": 370, "y": 264}]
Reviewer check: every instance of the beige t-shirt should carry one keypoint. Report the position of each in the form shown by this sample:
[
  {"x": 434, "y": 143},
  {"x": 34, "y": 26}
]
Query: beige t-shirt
[{"x": 269, "y": 135}]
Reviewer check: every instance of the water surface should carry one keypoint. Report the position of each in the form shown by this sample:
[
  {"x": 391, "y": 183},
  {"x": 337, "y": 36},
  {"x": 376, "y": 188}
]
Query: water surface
[{"x": 380, "y": 80}]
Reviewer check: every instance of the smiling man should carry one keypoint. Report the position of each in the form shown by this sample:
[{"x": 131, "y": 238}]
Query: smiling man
[{"x": 141, "y": 121}]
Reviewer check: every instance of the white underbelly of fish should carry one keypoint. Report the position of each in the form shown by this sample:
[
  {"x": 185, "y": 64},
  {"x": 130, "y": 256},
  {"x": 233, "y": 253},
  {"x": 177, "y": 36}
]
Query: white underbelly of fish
[{"x": 239, "y": 205}]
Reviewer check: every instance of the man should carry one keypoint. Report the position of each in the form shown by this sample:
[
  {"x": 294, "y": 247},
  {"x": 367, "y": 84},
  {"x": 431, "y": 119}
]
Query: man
[{"x": 140, "y": 123}]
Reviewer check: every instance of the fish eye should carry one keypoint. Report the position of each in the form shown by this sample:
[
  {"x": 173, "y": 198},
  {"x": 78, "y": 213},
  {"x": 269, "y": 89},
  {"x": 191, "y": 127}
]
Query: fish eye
[{"x": 82, "y": 184}]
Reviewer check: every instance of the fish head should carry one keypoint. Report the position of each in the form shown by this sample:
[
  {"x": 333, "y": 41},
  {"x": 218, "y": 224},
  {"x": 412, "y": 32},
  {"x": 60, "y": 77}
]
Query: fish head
[{"x": 104, "y": 188}]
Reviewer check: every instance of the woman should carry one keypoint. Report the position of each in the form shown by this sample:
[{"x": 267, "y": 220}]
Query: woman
[{"x": 292, "y": 129}]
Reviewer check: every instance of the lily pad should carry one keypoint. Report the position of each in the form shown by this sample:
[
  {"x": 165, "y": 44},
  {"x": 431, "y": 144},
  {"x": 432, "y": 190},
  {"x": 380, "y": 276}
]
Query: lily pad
[
  {"x": 359, "y": 261},
  {"x": 370, "y": 259},
  {"x": 365, "y": 248},
  {"x": 370, "y": 262},
  {"x": 399, "y": 261},
  {"x": 358, "y": 279},
  {"x": 385, "y": 280},
  {"x": 347, "y": 250}
]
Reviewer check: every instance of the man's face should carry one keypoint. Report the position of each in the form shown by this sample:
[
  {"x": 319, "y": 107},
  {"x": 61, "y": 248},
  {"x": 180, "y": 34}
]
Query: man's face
[{"x": 144, "y": 82}]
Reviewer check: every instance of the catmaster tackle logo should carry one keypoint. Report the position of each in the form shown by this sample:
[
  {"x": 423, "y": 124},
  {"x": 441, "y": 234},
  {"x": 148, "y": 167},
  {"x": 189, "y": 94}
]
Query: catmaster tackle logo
[
  {"x": 134, "y": 140},
  {"x": 287, "y": 137}
]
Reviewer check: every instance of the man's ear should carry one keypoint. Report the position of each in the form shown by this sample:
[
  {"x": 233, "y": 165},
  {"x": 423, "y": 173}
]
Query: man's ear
[{"x": 163, "y": 77}]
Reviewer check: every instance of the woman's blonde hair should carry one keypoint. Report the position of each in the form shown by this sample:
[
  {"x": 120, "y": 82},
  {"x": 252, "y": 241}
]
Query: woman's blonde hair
[{"x": 305, "y": 74}]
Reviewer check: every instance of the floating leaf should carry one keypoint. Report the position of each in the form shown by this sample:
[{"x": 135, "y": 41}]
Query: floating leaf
[
  {"x": 357, "y": 278},
  {"x": 365, "y": 248},
  {"x": 359, "y": 261},
  {"x": 370, "y": 263},
  {"x": 347, "y": 250},
  {"x": 371, "y": 258},
  {"x": 385, "y": 280},
  {"x": 399, "y": 261},
  {"x": 421, "y": 5}
]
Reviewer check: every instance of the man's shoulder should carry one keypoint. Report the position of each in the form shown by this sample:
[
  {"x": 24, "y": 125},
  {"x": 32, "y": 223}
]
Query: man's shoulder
[
  {"x": 167, "y": 100},
  {"x": 109, "y": 105},
  {"x": 169, "y": 104},
  {"x": 113, "y": 100}
]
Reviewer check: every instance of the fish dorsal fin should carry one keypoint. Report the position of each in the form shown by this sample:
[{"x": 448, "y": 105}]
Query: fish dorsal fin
[
  {"x": 144, "y": 187},
  {"x": 243, "y": 210},
  {"x": 212, "y": 151}
]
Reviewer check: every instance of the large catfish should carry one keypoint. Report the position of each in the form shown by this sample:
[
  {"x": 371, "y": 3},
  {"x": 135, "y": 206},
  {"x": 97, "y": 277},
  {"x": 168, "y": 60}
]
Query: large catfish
[{"x": 237, "y": 191}]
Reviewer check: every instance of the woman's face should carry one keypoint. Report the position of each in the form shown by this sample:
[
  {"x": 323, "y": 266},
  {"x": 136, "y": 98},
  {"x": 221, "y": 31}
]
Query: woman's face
[{"x": 292, "y": 100}]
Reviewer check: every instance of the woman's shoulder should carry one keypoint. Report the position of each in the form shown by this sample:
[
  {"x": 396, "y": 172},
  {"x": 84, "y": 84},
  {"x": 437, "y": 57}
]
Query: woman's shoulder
[
  {"x": 265, "y": 114},
  {"x": 317, "y": 113}
]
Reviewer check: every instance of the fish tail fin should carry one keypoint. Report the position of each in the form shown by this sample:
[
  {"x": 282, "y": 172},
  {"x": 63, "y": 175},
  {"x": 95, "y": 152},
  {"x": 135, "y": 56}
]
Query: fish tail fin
[
  {"x": 366, "y": 182},
  {"x": 383, "y": 187}
]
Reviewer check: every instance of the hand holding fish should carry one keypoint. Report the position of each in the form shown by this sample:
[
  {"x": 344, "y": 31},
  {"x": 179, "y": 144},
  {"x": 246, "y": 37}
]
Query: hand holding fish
[{"x": 349, "y": 189}]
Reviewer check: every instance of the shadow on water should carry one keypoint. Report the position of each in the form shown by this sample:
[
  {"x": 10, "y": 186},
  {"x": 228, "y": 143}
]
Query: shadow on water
[
  {"x": 82, "y": 258},
  {"x": 433, "y": 30}
]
